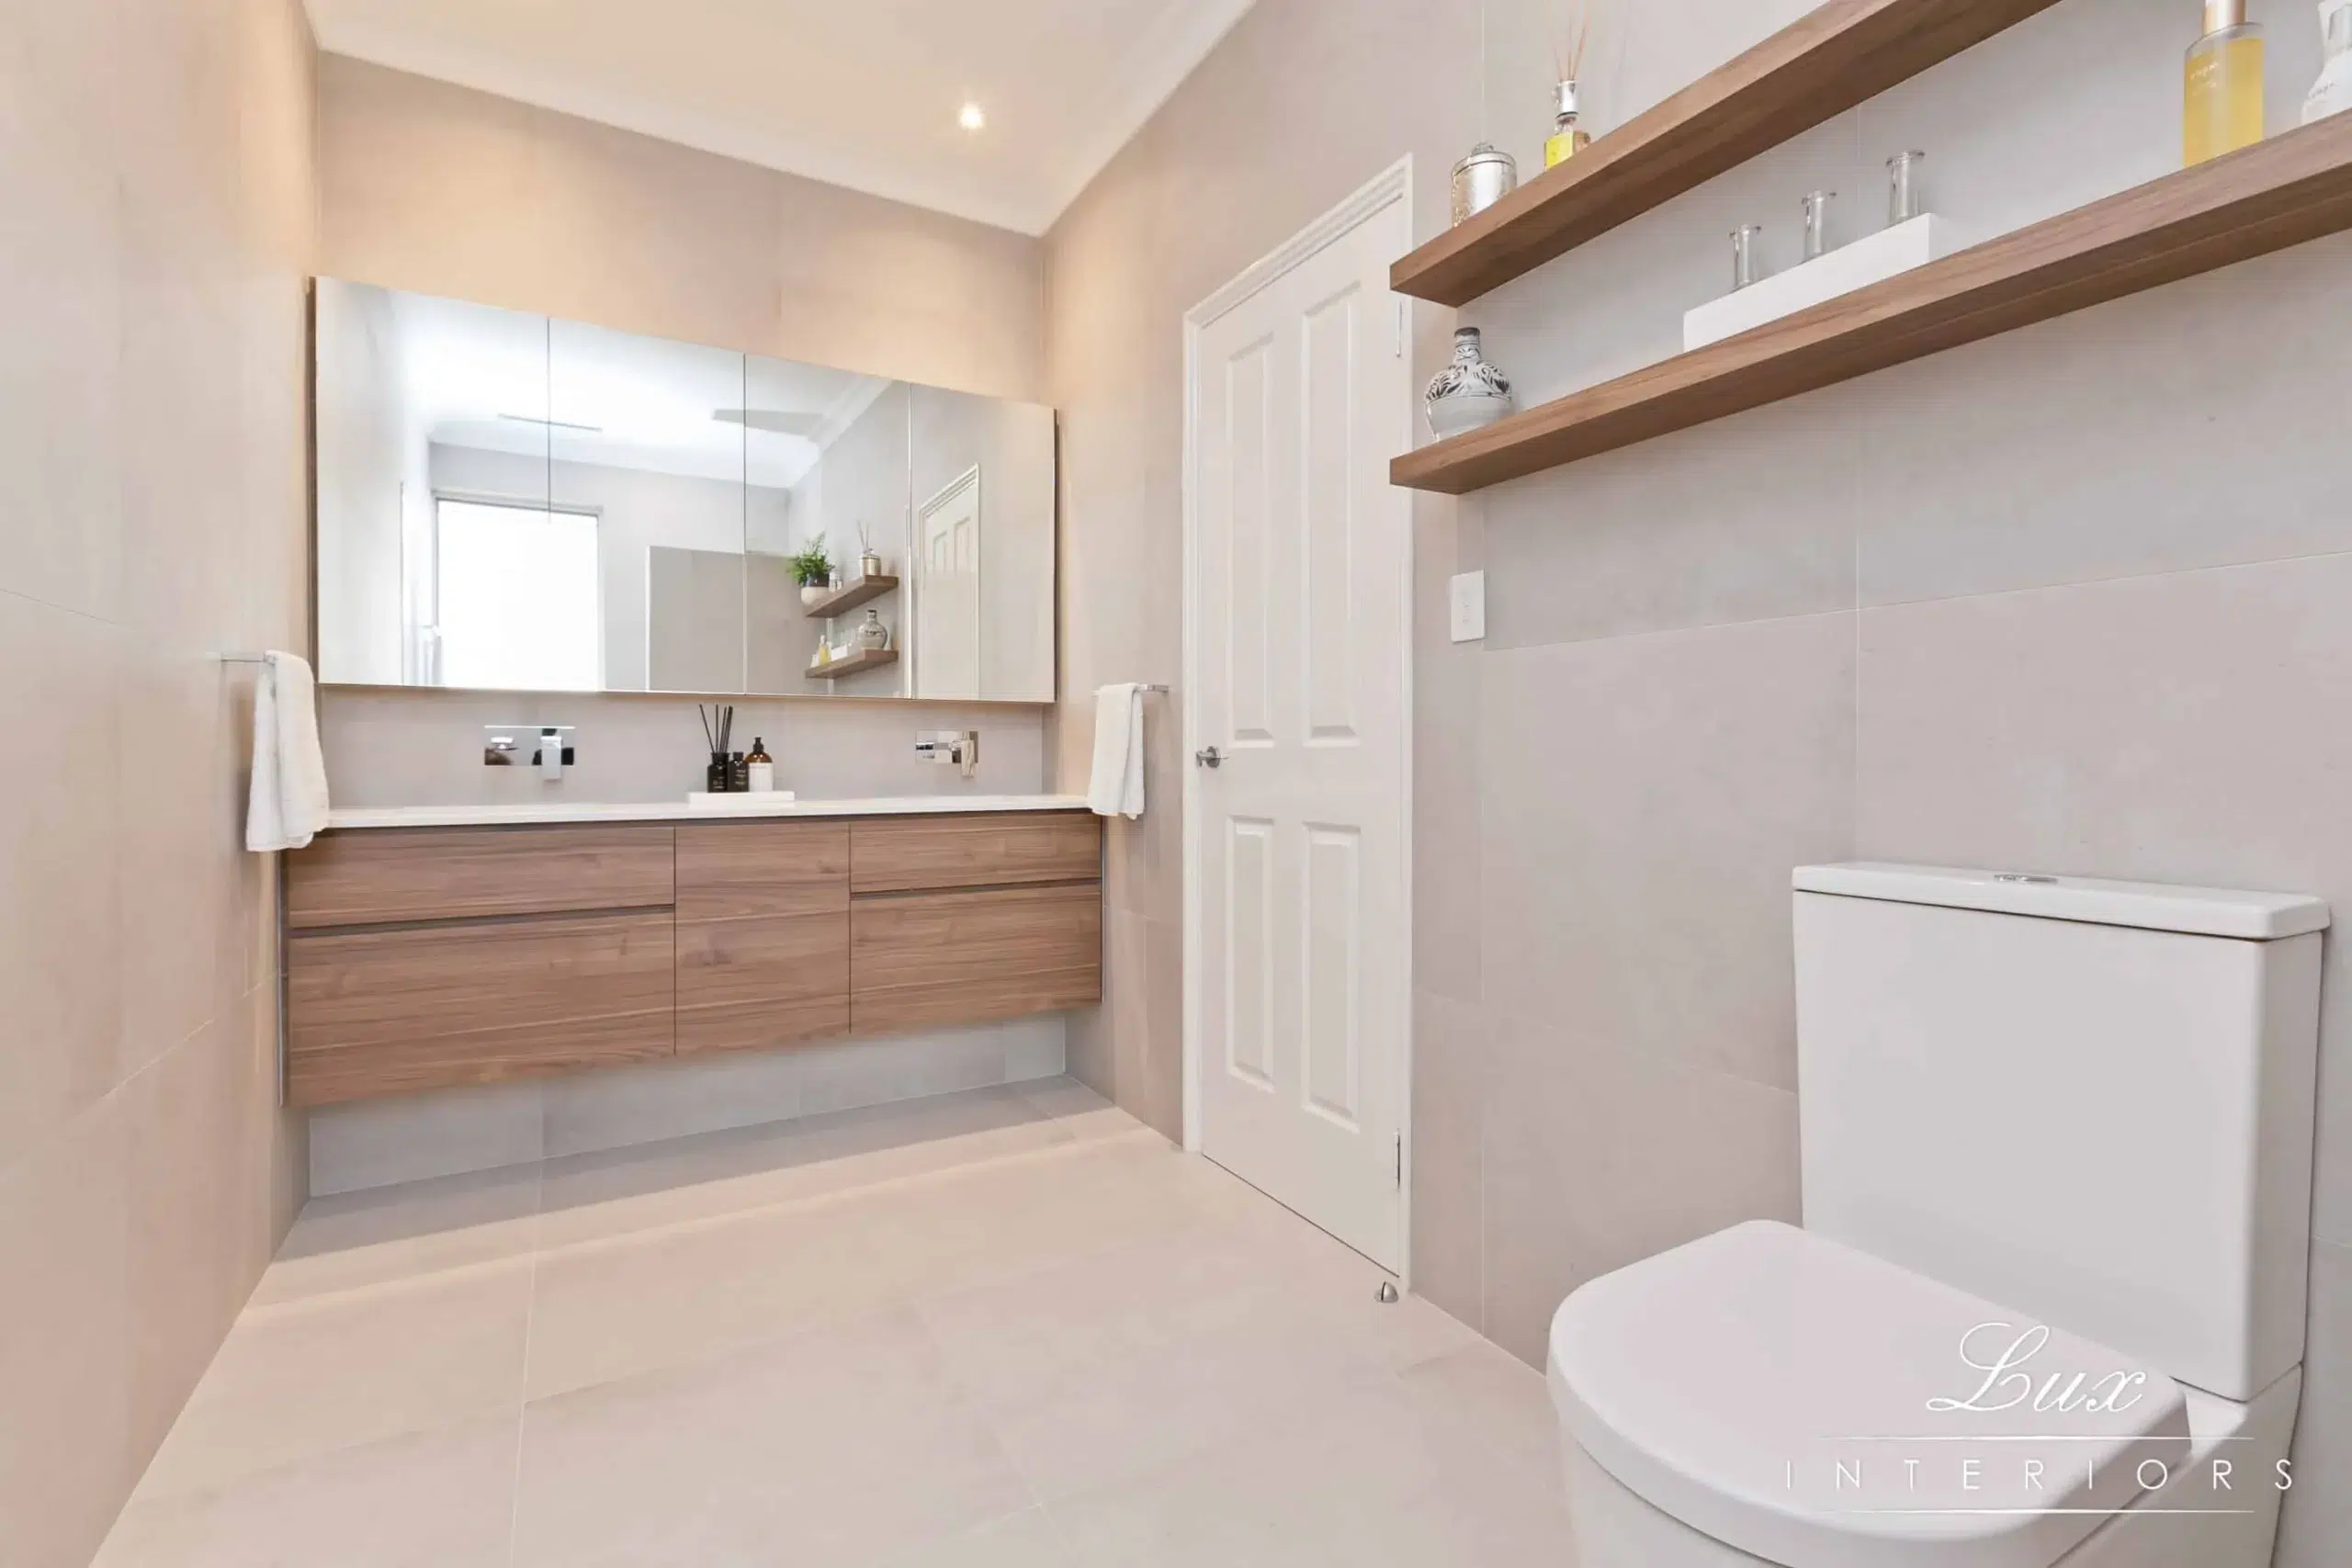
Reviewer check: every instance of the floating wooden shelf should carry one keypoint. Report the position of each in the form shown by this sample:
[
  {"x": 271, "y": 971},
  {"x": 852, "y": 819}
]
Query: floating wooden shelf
[
  {"x": 843, "y": 600},
  {"x": 2295, "y": 188},
  {"x": 869, "y": 659},
  {"x": 1814, "y": 70}
]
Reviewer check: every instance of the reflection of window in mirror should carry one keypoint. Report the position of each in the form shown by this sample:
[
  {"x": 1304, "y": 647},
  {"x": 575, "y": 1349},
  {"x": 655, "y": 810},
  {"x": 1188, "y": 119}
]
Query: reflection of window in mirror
[{"x": 519, "y": 598}]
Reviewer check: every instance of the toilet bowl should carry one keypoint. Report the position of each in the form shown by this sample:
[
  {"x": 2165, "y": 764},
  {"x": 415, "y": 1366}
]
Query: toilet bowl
[{"x": 2047, "y": 1305}]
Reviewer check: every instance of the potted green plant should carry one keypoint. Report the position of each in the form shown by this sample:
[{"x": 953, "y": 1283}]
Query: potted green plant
[{"x": 813, "y": 569}]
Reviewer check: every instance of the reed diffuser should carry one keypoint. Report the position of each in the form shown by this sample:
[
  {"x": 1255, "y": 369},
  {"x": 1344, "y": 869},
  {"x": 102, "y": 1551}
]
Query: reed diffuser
[{"x": 1568, "y": 134}]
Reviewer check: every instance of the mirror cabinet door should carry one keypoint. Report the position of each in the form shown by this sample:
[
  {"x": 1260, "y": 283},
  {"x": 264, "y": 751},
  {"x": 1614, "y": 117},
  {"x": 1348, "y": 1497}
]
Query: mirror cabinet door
[
  {"x": 647, "y": 443},
  {"x": 828, "y": 466},
  {"x": 507, "y": 502},
  {"x": 415, "y": 585},
  {"x": 983, "y": 553}
]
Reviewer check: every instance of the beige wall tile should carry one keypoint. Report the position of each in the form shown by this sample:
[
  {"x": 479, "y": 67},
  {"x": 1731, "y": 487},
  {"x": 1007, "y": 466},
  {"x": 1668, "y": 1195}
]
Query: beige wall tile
[
  {"x": 151, "y": 265},
  {"x": 61, "y": 979},
  {"x": 188, "y": 1116},
  {"x": 66, "y": 1322},
  {"x": 429, "y": 188},
  {"x": 386, "y": 748}
]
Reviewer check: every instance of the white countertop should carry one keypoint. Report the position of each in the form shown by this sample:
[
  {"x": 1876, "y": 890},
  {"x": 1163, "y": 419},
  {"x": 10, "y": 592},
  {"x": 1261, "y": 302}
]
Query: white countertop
[{"x": 679, "y": 811}]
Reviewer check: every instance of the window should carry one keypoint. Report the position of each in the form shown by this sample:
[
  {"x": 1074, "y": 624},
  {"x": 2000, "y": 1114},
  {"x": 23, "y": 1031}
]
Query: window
[{"x": 520, "y": 601}]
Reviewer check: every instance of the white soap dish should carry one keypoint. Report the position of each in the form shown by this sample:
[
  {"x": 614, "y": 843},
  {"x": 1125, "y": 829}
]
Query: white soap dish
[
  {"x": 739, "y": 800},
  {"x": 1887, "y": 253}
]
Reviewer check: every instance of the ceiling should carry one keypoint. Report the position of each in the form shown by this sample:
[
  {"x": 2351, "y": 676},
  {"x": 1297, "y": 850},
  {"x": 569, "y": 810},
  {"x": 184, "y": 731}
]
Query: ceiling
[{"x": 865, "y": 94}]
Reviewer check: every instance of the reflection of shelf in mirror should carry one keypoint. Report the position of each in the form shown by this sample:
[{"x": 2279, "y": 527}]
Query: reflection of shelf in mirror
[
  {"x": 844, "y": 600},
  {"x": 869, "y": 658}
]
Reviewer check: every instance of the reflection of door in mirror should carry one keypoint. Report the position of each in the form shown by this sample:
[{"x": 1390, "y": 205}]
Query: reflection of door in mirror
[{"x": 947, "y": 594}]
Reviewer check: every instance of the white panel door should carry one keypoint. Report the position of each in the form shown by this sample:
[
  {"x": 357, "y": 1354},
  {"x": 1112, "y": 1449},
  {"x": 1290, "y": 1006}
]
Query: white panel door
[{"x": 1299, "y": 636}]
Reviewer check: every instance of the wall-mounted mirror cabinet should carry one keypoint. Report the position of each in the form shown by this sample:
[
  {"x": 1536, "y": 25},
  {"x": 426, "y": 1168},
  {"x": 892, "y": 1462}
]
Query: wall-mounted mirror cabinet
[{"x": 511, "y": 502}]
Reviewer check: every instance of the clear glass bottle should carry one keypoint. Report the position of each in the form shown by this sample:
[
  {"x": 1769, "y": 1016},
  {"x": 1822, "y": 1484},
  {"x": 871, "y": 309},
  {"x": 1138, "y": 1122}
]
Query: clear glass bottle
[
  {"x": 2222, "y": 97},
  {"x": 1905, "y": 195},
  {"x": 2332, "y": 94},
  {"x": 1816, "y": 223},
  {"x": 1568, "y": 138}
]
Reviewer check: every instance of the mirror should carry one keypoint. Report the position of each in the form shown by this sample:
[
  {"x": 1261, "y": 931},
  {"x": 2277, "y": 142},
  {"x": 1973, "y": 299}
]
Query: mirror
[{"x": 511, "y": 502}]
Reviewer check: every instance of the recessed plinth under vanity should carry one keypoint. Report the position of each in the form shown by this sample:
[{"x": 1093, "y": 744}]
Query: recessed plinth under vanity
[{"x": 444, "y": 954}]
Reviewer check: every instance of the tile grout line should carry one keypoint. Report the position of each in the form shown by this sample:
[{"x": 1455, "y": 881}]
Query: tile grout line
[{"x": 522, "y": 1382}]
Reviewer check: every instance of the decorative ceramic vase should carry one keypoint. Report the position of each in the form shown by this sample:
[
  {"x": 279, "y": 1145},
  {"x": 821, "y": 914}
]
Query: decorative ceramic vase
[
  {"x": 811, "y": 591},
  {"x": 872, "y": 634},
  {"x": 1469, "y": 393}
]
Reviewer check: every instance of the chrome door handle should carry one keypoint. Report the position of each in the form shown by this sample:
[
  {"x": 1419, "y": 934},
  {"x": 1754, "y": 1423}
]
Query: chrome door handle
[{"x": 1209, "y": 756}]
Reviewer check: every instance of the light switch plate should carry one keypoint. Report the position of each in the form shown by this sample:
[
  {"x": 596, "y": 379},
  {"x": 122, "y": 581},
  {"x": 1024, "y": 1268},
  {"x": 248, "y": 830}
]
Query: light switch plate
[{"x": 1470, "y": 606}]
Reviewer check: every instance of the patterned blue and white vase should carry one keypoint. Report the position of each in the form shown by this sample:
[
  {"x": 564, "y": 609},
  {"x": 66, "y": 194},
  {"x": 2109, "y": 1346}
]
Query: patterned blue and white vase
[{"x": 1468, "y": 394}]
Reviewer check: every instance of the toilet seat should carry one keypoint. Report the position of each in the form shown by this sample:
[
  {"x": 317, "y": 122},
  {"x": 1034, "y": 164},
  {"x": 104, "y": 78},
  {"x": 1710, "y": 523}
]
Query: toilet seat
[{"x": 1772, "y": 1389}]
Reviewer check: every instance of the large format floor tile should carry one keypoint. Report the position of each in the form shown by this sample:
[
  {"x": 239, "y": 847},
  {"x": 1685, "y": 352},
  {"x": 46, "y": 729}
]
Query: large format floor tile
[{"x": 994, "y": 1328}]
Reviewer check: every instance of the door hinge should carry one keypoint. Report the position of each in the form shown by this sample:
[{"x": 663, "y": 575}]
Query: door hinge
[{"x": 1400, "y": 1160}]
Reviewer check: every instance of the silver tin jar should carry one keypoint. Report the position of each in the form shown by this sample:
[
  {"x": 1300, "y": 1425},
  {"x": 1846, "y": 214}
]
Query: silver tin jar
[{"x": 1481, "y": 179}]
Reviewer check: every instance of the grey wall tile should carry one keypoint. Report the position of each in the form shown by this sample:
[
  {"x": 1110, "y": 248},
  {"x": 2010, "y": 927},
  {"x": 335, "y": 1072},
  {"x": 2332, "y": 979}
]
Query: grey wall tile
[
  {"x": 2166, "y": 728},
  {"x": 1747, "y": 519},
  {"x": 1448, "y": 908},
  {"x": 2317, "y": 1520},
  {"x": 376, "y": 1142},
  {"x": 2172, "y": 430},
  {"x": 1646, "y": 798},
  {"x": 1598, "y": 1154},
  {"x": 1450, "y": 1049}
]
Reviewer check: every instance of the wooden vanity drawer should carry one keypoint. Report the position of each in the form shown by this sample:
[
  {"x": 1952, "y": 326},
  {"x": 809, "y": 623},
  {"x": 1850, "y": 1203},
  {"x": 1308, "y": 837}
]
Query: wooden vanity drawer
[
  {"x": 385, "y": 1013},
  {"x": 737, "y": 870},
  {"x": 976, "y": 957},
  {"x": 386, "y": 877},
  {"x": 762, "y": 934},
  {"x": 901, "y": 854},
  {"x": 749, "y": 985}
]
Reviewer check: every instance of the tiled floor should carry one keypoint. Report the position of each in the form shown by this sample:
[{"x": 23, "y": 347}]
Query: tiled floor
[{"x": 1004, "y": 1328}]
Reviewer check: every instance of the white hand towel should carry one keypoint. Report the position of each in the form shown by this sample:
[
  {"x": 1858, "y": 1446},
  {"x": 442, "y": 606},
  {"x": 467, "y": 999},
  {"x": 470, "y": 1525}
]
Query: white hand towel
[
  {"x": 289, "y": 790},
  {"x": 1117, "y": 787}
]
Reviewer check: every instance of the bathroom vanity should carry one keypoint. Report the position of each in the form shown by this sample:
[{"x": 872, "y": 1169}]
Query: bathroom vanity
[{"x": 436, "y": 948}]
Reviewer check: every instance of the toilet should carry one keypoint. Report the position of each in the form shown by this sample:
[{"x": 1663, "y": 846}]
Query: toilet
[{"x": 2047, "y": 1303}]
